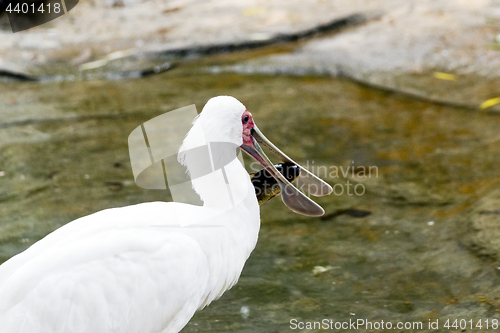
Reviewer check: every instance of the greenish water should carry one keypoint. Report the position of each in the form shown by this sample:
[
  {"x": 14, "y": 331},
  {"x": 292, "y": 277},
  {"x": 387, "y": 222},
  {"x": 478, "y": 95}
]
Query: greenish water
[{"x": 63, "y": 149}]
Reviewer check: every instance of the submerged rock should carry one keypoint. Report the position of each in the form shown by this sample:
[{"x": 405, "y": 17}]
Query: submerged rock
[{"x": 482, "y": 227}]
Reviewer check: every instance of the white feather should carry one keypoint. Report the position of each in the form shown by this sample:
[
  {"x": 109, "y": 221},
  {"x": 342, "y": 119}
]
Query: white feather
[{"x": 144, "y": 268}]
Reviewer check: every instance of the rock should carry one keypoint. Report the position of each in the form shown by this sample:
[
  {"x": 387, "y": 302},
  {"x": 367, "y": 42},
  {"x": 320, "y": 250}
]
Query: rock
[
  {"x": 482, "y": 227},
  {"x": 105, "y": 27},
  {"x": 404, "y": 49}
]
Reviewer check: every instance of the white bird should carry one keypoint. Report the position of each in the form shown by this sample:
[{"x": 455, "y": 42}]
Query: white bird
[{"x": 147, "y": 268}]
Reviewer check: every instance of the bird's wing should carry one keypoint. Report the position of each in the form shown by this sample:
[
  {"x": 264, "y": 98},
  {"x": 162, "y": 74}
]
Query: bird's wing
[
  {"x": 123, "y": 218},
  {"x": 117, "y": 280}
]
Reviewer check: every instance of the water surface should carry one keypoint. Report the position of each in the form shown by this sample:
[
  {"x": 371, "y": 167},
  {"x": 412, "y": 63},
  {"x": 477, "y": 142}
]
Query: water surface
[{"x": 393, "y": 253}]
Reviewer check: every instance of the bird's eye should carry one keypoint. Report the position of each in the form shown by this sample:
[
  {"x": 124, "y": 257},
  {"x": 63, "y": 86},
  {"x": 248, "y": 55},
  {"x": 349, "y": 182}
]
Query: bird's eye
[{"x": 245, "y": 119}]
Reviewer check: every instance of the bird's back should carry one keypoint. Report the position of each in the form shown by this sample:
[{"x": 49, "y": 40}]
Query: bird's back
[{"x": 127, "y": 270}]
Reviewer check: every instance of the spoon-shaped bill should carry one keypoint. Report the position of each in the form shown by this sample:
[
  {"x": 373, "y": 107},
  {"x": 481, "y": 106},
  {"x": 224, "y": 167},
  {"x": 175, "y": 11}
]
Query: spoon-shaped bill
[
  {"x": 306, "y": 181},
  {"x": 291, "y": 196}
]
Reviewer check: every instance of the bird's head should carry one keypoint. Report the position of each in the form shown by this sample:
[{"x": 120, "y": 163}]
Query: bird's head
[{"x": 224, "y": 119}]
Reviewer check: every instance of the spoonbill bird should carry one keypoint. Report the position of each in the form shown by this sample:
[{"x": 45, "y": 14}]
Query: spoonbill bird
[{"x": 147, "y": 268}]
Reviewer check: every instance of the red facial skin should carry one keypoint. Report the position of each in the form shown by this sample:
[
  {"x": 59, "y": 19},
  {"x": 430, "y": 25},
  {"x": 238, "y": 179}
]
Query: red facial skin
[{"x": 247, "y": 128}]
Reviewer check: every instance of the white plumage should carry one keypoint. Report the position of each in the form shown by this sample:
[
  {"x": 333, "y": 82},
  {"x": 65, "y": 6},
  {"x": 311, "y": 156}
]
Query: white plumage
[
  {"x": 147, "y": 268},
  {"x": 144, "y": 268}
]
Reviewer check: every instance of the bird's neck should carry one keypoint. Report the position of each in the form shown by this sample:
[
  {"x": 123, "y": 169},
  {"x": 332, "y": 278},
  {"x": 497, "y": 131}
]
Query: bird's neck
[
  {"x": 216, "y": 173},
  {"x": 231, "y": 233},
  {"x": 230, "y": 208}
]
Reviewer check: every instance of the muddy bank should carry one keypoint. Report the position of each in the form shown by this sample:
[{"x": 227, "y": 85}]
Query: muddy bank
[
  {"x": 443, "y": 52},
  {"x": 436, "y": 50},
  {"x": 94, "y": 30}
]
